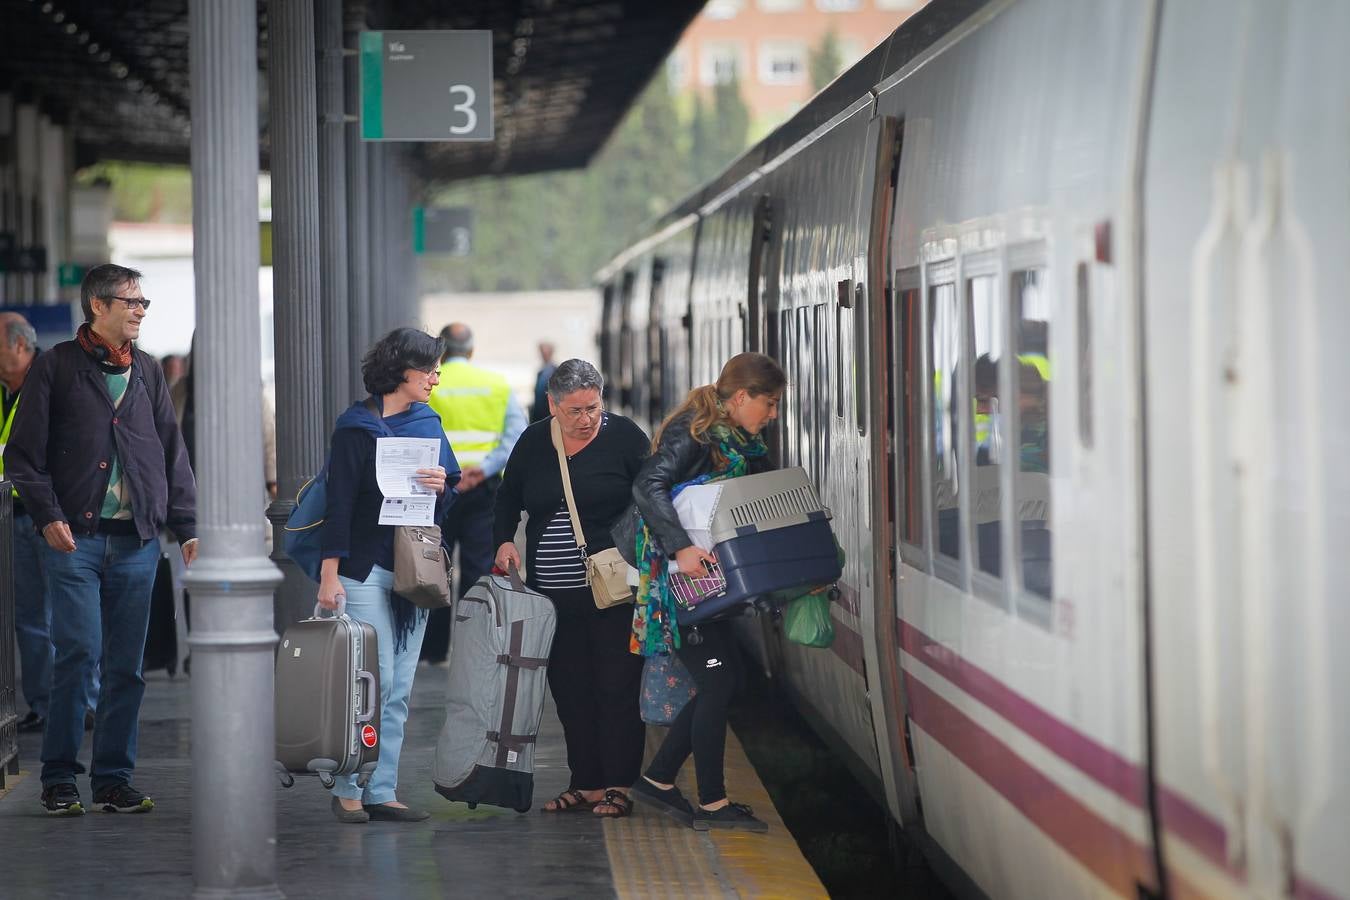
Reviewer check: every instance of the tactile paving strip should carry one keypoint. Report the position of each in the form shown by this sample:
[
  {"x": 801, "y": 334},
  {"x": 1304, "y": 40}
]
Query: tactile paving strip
[{"x": 653, "y": 856}]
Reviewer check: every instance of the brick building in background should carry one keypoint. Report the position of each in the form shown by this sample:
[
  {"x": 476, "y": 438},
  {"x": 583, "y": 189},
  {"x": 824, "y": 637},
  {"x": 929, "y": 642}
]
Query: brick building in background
[{"x": 767, "y": 44}]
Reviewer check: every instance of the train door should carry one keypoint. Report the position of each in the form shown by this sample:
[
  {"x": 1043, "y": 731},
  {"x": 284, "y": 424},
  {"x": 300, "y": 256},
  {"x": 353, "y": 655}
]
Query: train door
[
  {"x": 874, "y": 388},
  {"x": 1245, "y": 326},
  {"x": 761, "y": 278}
]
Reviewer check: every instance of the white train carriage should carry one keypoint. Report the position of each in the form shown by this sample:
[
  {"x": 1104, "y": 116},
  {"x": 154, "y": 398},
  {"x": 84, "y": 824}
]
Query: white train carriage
[{"x": 1059, "y": 286}]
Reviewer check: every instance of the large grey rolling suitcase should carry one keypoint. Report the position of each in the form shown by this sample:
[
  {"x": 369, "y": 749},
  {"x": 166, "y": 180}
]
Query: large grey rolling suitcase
[
  {"x": 327, "y": 699},
  {"x": 499, "y": 646}
]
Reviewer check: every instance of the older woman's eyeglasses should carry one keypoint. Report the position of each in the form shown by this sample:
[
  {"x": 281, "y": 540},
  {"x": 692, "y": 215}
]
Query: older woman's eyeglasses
[{"x": 579, "y": 412}]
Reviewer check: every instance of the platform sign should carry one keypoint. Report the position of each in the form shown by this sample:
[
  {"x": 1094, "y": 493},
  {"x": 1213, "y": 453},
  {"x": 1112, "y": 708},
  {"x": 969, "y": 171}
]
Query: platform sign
[
  {"x": 443, "y": 229},
  {"x": 426, "y": 86}
]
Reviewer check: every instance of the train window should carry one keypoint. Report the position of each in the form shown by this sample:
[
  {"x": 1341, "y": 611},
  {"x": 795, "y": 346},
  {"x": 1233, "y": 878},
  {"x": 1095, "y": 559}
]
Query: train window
[
  {"x": 839, "y": 371},
  {"x": 1031, "y": 311},
  {"x": 820, "y": 396},
  {"x": 987, "y": 334},
  {"x": 945, "y": 352},
  {"x": 911, "y": 418},
  {"x": 805, "y": 399},
  {"x": 1084, "y": 359}
]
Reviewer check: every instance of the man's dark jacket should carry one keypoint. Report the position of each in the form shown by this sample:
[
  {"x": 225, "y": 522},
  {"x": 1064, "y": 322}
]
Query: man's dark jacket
[{"x": 61, "y": 445}]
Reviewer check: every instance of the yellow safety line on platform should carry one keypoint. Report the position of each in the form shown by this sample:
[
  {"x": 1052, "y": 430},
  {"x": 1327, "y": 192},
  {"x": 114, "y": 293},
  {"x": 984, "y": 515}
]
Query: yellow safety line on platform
[
  {"x": 11, "y": 781},
  {"x": 653, "y": 856}
]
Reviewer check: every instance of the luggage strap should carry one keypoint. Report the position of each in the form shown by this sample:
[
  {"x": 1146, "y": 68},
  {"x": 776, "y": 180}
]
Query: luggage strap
[
  {"x": 517, "y": 645},
  {"x": 522, "y": 662},
  {"x": 511, "y": 740}
]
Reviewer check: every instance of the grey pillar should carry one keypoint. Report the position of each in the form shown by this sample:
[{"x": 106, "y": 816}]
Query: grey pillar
[
  {"x": 233, "y": 788},
  {"x": 377, "y": 183},
  {"x": 333, "y": 208},
  {"x": 358, "y": 213},
  {"x": 302, "y": 430}
]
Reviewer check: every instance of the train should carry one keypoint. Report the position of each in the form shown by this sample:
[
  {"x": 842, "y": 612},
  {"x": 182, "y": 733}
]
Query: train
[{"x": 1060, "y": 290}]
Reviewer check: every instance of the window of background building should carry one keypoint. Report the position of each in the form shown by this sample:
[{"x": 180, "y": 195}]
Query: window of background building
[
  {"x": 722, "y": 9},
  {"x": 782, "y": 62},
  {"x": 838, "y": 5},
  {"x": 677, "y": 69},
  {"x": 774, "y": 6},
  {"x": 720, "y": 61}
]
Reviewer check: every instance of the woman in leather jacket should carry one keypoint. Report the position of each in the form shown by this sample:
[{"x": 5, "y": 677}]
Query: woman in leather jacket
[{"x": 713, "y": 435}]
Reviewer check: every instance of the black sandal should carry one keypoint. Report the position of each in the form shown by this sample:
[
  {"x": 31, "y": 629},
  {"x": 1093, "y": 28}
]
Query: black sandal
[
  {"x": 569, "y": 800},
  {"x": 621, "y": 803}
]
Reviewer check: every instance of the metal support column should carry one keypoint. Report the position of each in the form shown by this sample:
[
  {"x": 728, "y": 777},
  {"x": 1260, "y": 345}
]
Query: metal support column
[
  {"x": 232, "y": 581},
  {"x": 359, "y": 335},
  {"x": 377, "y": 183},
  {"x": 302, "y": 429},
  {"x": 337, "y": 361}
]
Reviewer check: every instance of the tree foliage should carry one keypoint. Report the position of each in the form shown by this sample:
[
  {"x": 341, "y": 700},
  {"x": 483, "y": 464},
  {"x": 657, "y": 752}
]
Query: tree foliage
[
  {"x": 553, "y": 231},
  {"x": 826, "y": 60}
]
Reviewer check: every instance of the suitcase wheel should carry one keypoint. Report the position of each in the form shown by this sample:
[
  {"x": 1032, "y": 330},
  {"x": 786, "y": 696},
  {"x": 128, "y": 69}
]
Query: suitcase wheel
[
  {"x": 473, "y": 806},
  {"x": 523, "y": 809},
  {"x": 363, "y": 780},
  {"x": 695, "y": 637},
  {"x": 283, "y": 775},
  {"x": 326, "y": 780}
]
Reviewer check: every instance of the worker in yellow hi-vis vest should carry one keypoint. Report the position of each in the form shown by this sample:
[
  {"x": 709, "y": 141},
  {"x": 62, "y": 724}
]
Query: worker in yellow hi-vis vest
[
  {"x": 482, "y": 420},
  {"x": 32, "y": 619}
]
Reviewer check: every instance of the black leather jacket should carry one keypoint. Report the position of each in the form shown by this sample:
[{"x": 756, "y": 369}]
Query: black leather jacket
[{"x": 679, "y": 458}]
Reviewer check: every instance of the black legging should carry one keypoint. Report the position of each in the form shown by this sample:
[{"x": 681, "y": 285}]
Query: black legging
[
  {"x": 595, "y": 683},
  {"x": 701, "y": 727}
]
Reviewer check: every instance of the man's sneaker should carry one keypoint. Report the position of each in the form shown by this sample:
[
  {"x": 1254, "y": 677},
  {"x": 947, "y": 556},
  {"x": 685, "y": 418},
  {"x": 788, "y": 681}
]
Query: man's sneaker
[
  {"x": 62, "y": 800},
  {"x": 123, "y": 798},
  {"x": 32, "y": 723},
  {"x": 733, "y": 815}
]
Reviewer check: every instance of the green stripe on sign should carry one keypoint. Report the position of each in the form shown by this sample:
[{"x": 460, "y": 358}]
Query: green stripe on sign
[
  {"x": 419, "y": 229},
  {"x": 372, "y": 85}
]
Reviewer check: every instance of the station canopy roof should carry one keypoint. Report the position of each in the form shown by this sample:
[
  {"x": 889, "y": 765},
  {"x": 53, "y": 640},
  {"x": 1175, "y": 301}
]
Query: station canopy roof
[{"x": 565, "y": 73}]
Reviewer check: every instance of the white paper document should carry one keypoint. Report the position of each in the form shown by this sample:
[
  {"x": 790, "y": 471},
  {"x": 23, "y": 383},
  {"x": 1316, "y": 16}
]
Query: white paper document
[{"x": 406, "y": 501}]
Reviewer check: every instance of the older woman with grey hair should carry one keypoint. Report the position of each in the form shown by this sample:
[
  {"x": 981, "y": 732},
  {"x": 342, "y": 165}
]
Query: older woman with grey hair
[{"x": 595, "y": 680}]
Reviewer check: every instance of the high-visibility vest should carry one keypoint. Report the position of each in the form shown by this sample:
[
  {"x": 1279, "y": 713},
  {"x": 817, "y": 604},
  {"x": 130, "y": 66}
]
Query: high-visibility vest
[
  {"x": 4, "y": 439},
  {"x": 472, "y": 405},
  {"x": 1037, "y": 361}
]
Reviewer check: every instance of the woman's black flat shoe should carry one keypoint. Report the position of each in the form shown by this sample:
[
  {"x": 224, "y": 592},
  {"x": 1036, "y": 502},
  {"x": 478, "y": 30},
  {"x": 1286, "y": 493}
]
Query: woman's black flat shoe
[
  {"x": 349, "y": 816},
  {"x": 668, "y": 800},
  {"x": 381, "y": 812}
]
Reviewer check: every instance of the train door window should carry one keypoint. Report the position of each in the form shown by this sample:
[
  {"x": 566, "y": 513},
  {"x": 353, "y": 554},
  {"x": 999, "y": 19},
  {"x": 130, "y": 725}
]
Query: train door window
[
  {"x": 1084, "y": 358},
  {"x": 820, "y": 395},
  {"x": 1031, "y": 313},
  {"x": 987, "y": 337},
  {"x": 791, "y": 419},
  {"x": 944, "y": 350},
  {"x": 839, "y": 380},
  {"x": 804, "y": 399},
  {"x": 910, "y": 425}
]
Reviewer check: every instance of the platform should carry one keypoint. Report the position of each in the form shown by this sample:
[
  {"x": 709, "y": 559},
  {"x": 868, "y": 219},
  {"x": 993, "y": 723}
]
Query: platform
[{"x": 485, "y": 852}]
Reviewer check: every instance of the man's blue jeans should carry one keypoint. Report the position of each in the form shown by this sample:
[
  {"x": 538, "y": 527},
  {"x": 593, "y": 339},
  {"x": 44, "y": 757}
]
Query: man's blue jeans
[
  {"x": 100, "y": 609},
  {"x": 32, "y": 617}
]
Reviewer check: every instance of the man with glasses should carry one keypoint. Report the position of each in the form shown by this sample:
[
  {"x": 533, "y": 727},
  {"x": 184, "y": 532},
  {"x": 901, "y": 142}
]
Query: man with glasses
[
  {"x": 100, "y": 465},
  {"x": 482, "y": 421}
]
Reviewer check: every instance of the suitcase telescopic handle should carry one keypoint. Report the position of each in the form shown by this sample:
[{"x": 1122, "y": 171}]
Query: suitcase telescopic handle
[{"x": 368, "y": 694}]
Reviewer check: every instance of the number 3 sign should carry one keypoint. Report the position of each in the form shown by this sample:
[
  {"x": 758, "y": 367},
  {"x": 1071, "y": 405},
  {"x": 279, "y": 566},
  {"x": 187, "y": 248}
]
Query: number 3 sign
[{"x": 426, "y": 86}]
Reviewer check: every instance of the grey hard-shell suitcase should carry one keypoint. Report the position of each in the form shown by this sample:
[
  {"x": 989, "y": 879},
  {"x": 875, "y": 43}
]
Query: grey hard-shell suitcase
[
  {"x": 327, "y": 709},
  {"x": 499, "y": 646}
]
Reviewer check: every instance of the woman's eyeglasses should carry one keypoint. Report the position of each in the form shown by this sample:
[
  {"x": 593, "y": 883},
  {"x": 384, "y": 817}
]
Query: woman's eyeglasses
[{"x": 577, "y": 412}]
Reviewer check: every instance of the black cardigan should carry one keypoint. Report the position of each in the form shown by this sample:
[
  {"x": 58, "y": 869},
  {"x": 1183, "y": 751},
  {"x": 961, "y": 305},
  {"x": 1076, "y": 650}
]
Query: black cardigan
[{"x": 602, "y": 482}]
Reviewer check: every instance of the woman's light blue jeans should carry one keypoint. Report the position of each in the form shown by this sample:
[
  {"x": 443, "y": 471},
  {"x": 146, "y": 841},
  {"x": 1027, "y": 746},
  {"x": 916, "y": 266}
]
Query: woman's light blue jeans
[{"x": 368, "y": 602}]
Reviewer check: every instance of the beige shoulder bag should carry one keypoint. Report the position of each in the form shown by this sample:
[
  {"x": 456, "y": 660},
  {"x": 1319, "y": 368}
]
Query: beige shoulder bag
[{"x": 606, "y": 571}]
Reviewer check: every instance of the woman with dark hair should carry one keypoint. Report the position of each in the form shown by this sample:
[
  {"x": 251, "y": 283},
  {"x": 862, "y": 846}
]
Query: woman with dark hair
[
  {"x": 358, "y": 552},
  {"x": 713, "y": 435},
  {"x": 595, "y": 681}
]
